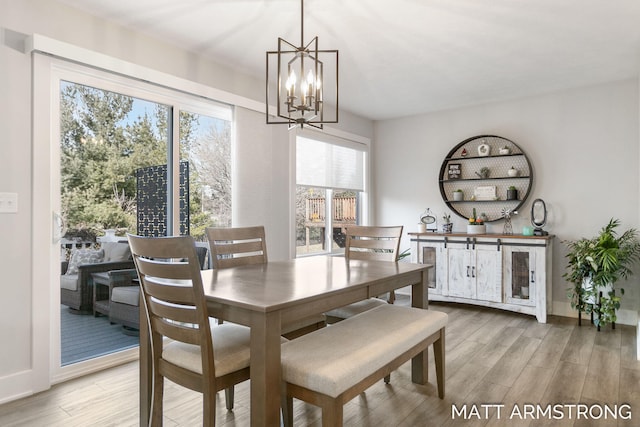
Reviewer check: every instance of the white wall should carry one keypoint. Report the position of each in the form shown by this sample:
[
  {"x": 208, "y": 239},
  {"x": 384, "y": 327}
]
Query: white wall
[
  {"x": 261, "y": 159},
  {"x": 583, "y": 145}
]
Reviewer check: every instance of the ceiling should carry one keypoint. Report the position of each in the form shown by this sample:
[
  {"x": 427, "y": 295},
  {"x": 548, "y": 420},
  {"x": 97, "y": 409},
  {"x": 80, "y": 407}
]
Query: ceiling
[{"x": 404, "y": 57}]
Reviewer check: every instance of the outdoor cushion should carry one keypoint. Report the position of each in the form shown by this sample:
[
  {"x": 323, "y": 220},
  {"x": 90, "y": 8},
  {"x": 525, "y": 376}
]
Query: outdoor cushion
[
  {"x": 84, "y": 256},
  {"x": 115, "y": 251},
  {"x": 129, "y": 295},
  {"x": 69, "y": 281}
]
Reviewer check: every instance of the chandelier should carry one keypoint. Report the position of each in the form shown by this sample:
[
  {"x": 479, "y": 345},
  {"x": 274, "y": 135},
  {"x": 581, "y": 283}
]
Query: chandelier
[{"x": 305, "y": 82}]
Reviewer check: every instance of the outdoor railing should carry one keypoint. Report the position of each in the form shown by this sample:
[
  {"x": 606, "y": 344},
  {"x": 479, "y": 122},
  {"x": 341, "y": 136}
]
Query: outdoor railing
[{"x": 344, "y": 209}]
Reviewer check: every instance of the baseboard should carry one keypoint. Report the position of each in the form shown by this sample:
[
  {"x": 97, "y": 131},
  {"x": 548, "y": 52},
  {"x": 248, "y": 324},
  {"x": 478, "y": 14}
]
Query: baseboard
[
  {"x": 625, "y": 316},
  {"x": 94, "y": 365},
  {"x": 16, "y": 386}
]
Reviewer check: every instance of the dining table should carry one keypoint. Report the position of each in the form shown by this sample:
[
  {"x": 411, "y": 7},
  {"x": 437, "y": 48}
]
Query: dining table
[{"x": 267, "y": 297}]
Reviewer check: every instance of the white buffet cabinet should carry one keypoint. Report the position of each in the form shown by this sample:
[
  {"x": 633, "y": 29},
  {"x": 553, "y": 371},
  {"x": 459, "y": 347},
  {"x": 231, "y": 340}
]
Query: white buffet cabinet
[{"x": 510, "y": 272}]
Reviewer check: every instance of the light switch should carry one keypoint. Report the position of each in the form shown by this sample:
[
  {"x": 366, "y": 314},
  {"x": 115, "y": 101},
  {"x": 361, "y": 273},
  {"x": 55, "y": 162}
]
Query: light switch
[{"x": 8, "y": 202}]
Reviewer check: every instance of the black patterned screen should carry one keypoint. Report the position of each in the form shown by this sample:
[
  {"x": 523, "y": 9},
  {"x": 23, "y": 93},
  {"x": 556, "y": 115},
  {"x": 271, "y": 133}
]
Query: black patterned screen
[{"x": 151, "y": 196}]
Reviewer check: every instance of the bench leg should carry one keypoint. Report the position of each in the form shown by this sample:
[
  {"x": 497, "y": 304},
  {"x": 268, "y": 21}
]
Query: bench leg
[
  {"x": 287, "y": 407},
  {"x": 332, "y": 414},
  {"x": 229, "y": 394},
  {"x": 438, "y": 355}
]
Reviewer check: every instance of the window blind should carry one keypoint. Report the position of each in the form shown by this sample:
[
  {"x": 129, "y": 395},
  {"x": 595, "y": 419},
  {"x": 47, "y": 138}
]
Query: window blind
[{"x": 328, "y": 165}]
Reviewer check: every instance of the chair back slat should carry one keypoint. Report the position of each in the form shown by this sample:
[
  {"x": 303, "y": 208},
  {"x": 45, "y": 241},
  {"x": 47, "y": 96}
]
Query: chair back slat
[
  {"x": 173, "y": 295},
  {"x": 169, "y": 292},
  {"x": 166, "y": 269},
  {"x": 177, "y": 313},
  {"x": 178, "y": 332},
  {"x": 235, "y": 246},
  {"x": 373, "y": 243}
]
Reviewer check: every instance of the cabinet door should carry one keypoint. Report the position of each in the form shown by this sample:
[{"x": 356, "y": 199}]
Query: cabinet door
[
  {"x": 488, "y": 273},
  {"x": 461, "y": 282},
  {"x": 431, "y": 253},
  {"x": 520, "y": 275}
]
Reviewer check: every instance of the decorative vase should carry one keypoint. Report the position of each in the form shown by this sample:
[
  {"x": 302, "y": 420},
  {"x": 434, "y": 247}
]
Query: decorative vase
[
  {"x": 109, "y": 236},
  {"x": 484, "y": 149},
  {"x": 447, "y": 228},
  {"x": 504, "y": 151}
]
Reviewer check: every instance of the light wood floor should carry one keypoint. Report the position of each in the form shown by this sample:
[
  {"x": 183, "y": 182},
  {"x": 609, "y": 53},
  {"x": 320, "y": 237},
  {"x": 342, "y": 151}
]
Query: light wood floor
[{"x": 492, "y": 357}]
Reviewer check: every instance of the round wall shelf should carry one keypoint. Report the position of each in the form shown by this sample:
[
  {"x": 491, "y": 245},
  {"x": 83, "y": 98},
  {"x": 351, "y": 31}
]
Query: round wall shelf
[{"x": 484, "y": 168}]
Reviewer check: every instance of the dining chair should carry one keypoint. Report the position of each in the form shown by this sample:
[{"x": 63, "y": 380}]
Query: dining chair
[
  {"x": 235, "y": 246},
  {"x": 368, "y": 243},
  {"x": 199, "y": 355},
  {"x": 238, "y": 246}
]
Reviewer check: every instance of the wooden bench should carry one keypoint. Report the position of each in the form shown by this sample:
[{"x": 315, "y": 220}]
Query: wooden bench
[{"x": 331, "y": 366}]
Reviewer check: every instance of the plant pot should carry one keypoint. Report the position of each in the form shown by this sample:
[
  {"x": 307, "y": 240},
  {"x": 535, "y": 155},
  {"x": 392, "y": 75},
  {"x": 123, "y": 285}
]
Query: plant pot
[
  {"x": 476, "y": 229},
  {"x": 458, "y": 196},
  {"x": 447, "y": 228},
  {"x": 512, "y": 194}
]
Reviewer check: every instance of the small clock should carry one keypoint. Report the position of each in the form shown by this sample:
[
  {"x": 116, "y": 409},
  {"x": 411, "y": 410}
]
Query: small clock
[{"x": 429, "y": 220}]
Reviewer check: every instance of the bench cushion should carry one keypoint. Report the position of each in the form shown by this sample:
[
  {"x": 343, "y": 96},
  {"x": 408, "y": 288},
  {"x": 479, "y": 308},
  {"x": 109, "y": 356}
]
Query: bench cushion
[
  {"x": 334, "y": 358},
  {"x": 129, "y": 295}
]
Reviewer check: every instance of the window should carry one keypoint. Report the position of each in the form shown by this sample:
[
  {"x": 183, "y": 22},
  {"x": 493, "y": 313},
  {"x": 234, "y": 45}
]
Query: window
[
  {"x": 116, "y": 171},
  {"x": 330, "y": 185}
]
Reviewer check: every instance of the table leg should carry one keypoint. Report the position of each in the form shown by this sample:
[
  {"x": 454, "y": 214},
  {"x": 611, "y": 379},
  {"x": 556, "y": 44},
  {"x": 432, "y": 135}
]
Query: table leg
[
  {"x": 145, "y": 366},
  {"x": 265, "y": 369},
  {"x": 420, "y": 363}
]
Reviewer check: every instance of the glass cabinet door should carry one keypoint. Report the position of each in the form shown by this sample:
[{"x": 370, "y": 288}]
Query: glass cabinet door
[
  {"x": 431, "y": 253},
  {"x": 429, "y": 257},
  {"x": 519, "y": 275}
]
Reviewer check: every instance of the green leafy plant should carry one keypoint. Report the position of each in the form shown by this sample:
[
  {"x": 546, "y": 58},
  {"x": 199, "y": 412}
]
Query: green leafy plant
[
  {"x": 404, "y": 254},
  {"x": 595, "y": 265},
  {"x": 446, "y": 217}
]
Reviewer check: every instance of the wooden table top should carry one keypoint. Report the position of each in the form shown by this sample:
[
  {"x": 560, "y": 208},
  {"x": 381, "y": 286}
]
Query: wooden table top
[{"x": 277, "y": 285}]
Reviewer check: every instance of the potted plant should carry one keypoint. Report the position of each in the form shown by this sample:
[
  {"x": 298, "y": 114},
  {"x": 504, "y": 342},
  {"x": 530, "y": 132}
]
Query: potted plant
[
  {"x": 512, "y": 193},
  {"x": 483, "y": 173},
  {"x": 447, "y": 225},
  {"x": 594, "y": 267},
  {"x": 458, "y": 195},
  {"x": 476, "y": 224}
]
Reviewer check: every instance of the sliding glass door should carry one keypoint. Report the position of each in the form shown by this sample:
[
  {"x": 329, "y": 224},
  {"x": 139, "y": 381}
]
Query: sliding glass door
[{"x": 133, "y": 158}]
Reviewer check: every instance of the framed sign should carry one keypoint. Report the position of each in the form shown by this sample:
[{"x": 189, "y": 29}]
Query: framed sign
[
  {"x": 455, "y": 171},
  {"x": 485, "y": 192}
]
